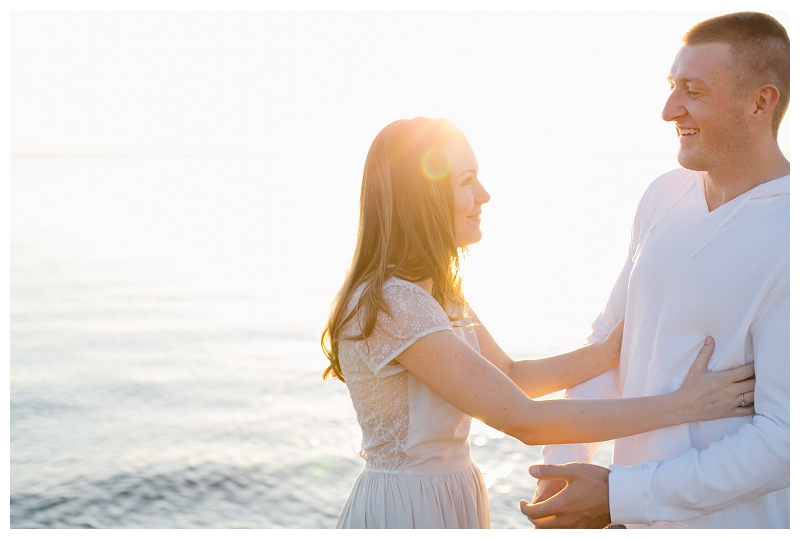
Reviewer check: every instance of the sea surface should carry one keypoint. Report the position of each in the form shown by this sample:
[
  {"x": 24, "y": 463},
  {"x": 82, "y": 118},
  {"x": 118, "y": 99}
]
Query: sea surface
[{"x": 165, "y": 365}]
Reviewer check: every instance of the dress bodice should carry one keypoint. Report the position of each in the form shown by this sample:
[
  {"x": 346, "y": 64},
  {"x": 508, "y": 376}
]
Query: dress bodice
[{"x": 406, "y": 427}]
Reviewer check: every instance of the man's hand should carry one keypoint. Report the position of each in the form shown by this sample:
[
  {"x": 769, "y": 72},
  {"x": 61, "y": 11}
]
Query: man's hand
[
  {"x": 547, "y": 489},
  {"x": 582, "y": 504}
]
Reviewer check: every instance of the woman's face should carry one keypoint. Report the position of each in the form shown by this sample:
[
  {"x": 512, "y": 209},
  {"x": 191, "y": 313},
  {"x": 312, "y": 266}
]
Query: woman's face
[{"x": 468, "y": 194}]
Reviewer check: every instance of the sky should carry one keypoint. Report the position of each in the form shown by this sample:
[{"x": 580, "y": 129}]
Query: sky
[
  {"x": 562, "y": 108},
  {"x": 216, "y": 81}
]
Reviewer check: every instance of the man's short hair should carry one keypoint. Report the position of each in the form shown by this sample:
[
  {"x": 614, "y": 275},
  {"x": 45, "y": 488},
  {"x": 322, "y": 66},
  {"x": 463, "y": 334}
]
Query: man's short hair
[{"x": 759, "y": 48}]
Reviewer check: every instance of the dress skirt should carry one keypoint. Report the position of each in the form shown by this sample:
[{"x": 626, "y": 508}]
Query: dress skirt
[{"x": 388, "y": 499}]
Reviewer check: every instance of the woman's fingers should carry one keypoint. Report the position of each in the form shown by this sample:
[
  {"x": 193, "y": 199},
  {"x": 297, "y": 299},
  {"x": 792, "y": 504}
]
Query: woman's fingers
[
  {"x": 742, "y": 373},
  {"x": 748, "y": 397},
  {"x": 704, "y": 356},
  {"x": 745, "y": 386},
  {"x": 614, "y": 337},
  {"x": 740, "y": 380},
  {"x": 748, "y": 408},
  {"x": 620, "y": 327}
]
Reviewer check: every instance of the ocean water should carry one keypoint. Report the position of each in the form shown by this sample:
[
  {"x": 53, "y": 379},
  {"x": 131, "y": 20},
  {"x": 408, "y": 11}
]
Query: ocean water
[{"x": 165, "y": 366}]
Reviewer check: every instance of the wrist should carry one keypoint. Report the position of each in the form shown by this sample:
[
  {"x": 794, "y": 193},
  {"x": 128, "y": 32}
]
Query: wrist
[
  {"x": 602, "y": 354},
  {"x": 677, "y": 409}
]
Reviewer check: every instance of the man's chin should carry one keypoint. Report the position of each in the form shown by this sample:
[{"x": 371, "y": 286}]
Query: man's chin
[{"x": 690, "y": 162}]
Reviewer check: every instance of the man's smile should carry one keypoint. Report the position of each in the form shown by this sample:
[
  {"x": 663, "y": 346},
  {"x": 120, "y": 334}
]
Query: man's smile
[{"x": 686, "y": 132}]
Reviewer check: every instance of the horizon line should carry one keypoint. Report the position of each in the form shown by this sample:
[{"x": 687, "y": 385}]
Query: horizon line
[{"x": 40, "y": 152}]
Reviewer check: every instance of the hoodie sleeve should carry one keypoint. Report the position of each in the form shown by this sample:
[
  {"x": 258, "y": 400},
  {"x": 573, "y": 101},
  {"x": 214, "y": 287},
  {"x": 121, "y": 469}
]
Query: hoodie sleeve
[
  {"x": 661, "y": 194},
  {"x": 606, "y": 385},
  {"x": 752, "y": 462}
]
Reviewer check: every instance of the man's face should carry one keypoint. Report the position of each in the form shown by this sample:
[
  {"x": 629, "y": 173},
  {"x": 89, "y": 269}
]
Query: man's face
[{"x": 709, "y": 116}]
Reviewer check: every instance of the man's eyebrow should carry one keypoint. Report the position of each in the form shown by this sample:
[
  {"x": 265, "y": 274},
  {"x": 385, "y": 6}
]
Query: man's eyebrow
[{"x": 694, "y": 80}]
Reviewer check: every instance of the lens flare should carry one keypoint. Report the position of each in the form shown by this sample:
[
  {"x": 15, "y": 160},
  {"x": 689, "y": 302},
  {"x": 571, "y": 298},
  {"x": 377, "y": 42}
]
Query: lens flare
[{"x": 436, "y": 163}]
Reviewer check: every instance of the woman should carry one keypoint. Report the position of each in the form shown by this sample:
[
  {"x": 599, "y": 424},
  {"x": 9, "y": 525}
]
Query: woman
[{"x": 419, "y": 364}]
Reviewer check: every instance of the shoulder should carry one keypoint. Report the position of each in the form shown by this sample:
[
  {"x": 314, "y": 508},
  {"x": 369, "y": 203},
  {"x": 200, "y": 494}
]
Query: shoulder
[
  {"x": 398, "y": 295},
  {"x": 665, "y": 191},
  {"x": 406, "y": 298},
  {"x": 673, "y": 179},
  {"x": 397, "y": 289},
  {"x": 666, "y": 186},
  {"x": 412, "y": 314}
]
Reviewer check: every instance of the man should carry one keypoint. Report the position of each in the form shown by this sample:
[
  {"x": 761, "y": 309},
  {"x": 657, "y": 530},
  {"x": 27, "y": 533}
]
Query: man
[{"x": 709, "y": 256}]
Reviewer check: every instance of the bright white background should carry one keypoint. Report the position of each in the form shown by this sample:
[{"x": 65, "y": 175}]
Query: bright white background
[
  {"x": 562, "y": 108},
  {"x": 176, "y": 172}
]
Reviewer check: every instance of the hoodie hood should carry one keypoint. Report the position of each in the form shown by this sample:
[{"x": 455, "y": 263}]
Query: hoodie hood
[{"x": 772, "y": 188}]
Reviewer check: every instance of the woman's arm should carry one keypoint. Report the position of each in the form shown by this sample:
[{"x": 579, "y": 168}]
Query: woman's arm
[
  {"x": 537, "y": 377},
  {"x": 462, "y": 377}
]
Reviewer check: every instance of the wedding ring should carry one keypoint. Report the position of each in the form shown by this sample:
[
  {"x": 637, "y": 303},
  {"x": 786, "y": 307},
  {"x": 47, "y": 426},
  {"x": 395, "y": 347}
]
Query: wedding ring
[{"x": 742, "y": 403}]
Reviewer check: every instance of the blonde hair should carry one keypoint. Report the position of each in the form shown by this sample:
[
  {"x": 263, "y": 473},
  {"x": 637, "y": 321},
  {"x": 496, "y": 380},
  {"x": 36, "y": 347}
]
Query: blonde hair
[{"x": 405, "y": 228}]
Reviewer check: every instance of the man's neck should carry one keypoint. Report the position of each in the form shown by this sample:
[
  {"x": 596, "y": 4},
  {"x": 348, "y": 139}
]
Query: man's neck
[{"x": 762, "y": 165}]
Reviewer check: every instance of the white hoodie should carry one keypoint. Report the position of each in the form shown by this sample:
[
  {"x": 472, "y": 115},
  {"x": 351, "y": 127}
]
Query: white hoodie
[{"x": 692, "y": 273}]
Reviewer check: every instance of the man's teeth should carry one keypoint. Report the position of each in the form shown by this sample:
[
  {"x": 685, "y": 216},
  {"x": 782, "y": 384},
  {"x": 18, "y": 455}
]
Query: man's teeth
[{"x": 684, "y": 132}]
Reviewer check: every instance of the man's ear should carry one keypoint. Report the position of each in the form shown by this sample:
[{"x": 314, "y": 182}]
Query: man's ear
[{"x": 763, "y": 101}]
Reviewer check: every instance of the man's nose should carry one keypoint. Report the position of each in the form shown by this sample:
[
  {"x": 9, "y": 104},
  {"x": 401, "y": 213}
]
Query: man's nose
[{"x": 673, "y": 109}]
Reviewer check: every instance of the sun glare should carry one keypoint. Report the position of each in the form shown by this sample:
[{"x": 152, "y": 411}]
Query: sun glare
[{"x": 436, "y": 163}]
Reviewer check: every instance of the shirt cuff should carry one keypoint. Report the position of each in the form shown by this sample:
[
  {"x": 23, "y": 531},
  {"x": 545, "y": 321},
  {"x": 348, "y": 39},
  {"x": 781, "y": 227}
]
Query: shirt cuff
[
  {"x": 563, "y": 454},
  {"x": 630, "y": 496}
]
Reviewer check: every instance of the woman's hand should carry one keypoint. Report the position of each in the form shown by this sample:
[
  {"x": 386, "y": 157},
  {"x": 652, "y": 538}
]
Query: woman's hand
[
  {"x": 708, "y": 395},
  {"x": 609, "y": 348}
]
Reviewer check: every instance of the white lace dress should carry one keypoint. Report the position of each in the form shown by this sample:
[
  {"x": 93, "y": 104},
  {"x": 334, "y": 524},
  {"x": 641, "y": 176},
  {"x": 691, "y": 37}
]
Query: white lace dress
[{"x": 419, "y": 472}]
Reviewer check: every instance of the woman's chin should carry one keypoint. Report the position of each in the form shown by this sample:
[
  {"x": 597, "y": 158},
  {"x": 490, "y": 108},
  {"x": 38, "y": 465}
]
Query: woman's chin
[{"x": 473, "y": 238}]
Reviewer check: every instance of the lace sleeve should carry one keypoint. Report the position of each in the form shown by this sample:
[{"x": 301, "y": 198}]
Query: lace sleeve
[{"x": 414, "y": 314}]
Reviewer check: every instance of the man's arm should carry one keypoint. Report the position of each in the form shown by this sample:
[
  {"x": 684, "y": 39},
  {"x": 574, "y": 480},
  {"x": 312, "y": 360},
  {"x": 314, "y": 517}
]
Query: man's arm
[
  {"x": 752, "y": 462},
  {"x": 604, "y": 386}
]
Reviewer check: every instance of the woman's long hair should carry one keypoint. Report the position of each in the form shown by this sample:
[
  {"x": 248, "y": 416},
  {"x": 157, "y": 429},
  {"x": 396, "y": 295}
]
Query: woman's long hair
[{"x": 405, "y": 228}]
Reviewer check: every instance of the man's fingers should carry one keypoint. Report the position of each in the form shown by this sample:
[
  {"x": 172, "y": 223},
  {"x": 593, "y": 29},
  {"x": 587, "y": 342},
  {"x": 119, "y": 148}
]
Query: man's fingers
[
  {"x": 548, "y": 523},
  {"x": 541, "y": 471},
  {"x": 566, "y": 472},
  {"x": 545, "y": 522},
  {"x": 537, "y": 511},
  {"x": 547, "y": 489},
  {"x": 547, "y": 471}
]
